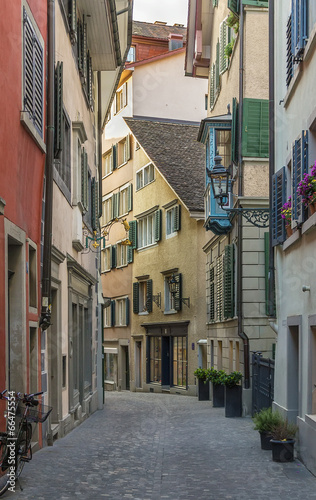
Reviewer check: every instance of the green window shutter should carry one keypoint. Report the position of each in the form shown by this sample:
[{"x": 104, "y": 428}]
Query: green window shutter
[
  {"x": 136, "y": 298},
  {"x": 215, "y": 3},
  {"x": 223, "y": 41},
  {"x": 73, "y": 16},
  {"x": 178, "y": 294},
  {"x": 79, "y": 44},
  {"x": 84, "y": 179},
  {"x": 149, "y": 298},
  {"x": 212, "y": 293},
  {"x": 93, "y": 205},
  {"x": 130, "y": 255},
  {"x": 130, "y": 197},
  {"x": 89, "y": 79},
  {"x": 158, "y": 225},
  {"x": 289, "y": 50},
  {"x": 299, "y": 168},
  {"x": 229, "y": 282},
  {"x": 113, "y": 256},
  {"x": 256, "y": 3},
  {"x": 59, "y": 128},
  {"x": 219, "y": 288},
  {"x": 255, "y": 131},
  {"x": 278, "y": 200},
  {"x": 234, "y": 6},
  {"x": 127, "y": 311},
  {"x": 113, "y": 313},
  {"x": 217, "y": 68},
  {"x": 235, "y": 134},
  {"x": 132, "y": 234},
  {"x": 128, "y": 147},
  {"x": 116, "y": 205},
  {"x": 212, "y": 86},
  {"x": 177, "y": 218},
  {"x": 84, "y": 49},
  {"x": 114, "y": 157}
]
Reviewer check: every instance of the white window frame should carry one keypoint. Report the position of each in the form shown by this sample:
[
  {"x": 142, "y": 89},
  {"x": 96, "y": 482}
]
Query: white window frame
[
  {"x": 107, "y": 158},
  {"x": 170, "y": 213},
  {"x": 121, "y": 98},
  {"x": 106, "y": 259},
  {"x": 123, "y": 208},
  {"x": 145, "y": 176},
  {"x": 146, "y": 231},
  {"x": 106, "y": 211},
  {"x": 121, "y": 254},
  {"x": 120, "y": 312},
  {"x": 169, "y": 299},
  {"x": 107, "y": 319},
  {"x": 142, "y": 297}
]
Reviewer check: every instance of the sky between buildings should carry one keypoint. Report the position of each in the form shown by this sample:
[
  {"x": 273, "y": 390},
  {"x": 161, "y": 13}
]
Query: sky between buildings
[{"x": 171, "y": 11}]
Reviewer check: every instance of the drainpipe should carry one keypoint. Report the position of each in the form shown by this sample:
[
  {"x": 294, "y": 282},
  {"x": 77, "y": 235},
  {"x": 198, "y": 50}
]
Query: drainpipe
[
  {"x": 271, "y": 302},
  {"x": 241, "y": 334},
  {"x": 45, "y": 318}
]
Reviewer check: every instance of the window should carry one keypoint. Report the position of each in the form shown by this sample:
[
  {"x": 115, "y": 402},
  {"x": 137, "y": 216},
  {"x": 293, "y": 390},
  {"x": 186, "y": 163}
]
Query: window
[
  {"x": 131, "y": 56},
  {"x": 154, "y": 359},
  {"x": 169, "y": 298},
  {"x": 222, "y": 286},
  {"x": 121, "y": 255},
  {"x": 33, "y": 73},
  {"x": 110, "y": 367},
  {"x": 299, "y": 168},
  {"x": 180, "y": 363},
  {"x": 255, "y": 136},
  {"x": 172, "y": 221},
  {"x": 125, "y": 199},
  {"x": 142, "y": 296},
  {"x": 144, "y": 176},
  {"x": 146, "y": 231},
  {"x": 107, "y": 210},
  {"x": 107, "y": 164},
  {"x": 278, "y": 200},
  {"x": 223, "y": 146},
  {"x": 121, "y": 98},
  {"x": 32, "y": 277},
  {"x": 122, "y": 312},
  {"x": 107, "y": 320},
  {"x": 64, "y": 371},
  {"x": 123, "y": 151},
  {"x": 224, "y": 39},
  {"x": 63, "y": 161}
]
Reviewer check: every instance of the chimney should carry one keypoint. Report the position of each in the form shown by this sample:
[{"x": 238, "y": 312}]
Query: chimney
[{"x": 175, "y": 41}]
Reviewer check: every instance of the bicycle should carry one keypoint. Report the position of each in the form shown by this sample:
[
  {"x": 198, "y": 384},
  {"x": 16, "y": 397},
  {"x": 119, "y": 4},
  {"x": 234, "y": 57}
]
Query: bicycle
[{"x": 15, "y": 443}]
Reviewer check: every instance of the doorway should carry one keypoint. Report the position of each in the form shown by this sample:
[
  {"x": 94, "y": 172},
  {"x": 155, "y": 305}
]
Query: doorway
[
  {"x": 138, "y": 364},
  {"x": 293, "y": 370},
  {"x": 125, "y": 368}
]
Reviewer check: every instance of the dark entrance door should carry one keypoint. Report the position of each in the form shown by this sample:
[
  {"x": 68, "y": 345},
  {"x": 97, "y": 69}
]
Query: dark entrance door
[{"x": 165, "y": 361}]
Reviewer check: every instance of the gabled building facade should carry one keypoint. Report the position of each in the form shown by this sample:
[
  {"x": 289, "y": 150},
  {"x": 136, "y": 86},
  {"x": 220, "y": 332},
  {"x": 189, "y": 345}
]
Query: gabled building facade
[
  {"x": 152, "y": 85},
  {"x": 222, "y": 41},
  {"x": 295, "y": 155}
]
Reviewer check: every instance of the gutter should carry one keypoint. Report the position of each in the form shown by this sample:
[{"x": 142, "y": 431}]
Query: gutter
[
  {"x": 46, "y": 309},
  {"x": 271, "y": 280},
  {"x": 241, "y": 334}
]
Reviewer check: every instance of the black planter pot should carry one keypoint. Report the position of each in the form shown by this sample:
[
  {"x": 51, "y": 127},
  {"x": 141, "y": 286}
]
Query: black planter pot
[
  {"x": 203, "y": 390},
  {"x": 218, "y": 396},
  {"x": 282, "y": 451},
  {"x": 233, "y": 401},
  {"x": 265, "y": 439}
]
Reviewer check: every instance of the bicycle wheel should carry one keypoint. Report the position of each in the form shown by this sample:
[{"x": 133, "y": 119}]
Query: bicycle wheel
[
  {"x": 4, "y": 467},
  {"x": 23, "y": 448}
]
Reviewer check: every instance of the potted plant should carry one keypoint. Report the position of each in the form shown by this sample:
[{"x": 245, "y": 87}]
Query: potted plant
[
  {"x": 307, "y": 189},
  {"x": 216, "y": 377},
  {"x": 283, "y": 434},
  {"x": 264, "y": 421},
  {"x": 233, "y": 394},
  {"x": 203, "y": 384},
  {"x": 286, "y": 214}
]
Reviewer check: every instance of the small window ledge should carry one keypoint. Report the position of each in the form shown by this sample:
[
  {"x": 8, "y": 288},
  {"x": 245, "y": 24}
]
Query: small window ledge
[
  {"x": 170, "y": 312},
  {"x": 29, "y": 127},
  {"x": 309, "y": 224},
  {"x": 292, "y": 239},
  {"x": 311, "y": 420}
]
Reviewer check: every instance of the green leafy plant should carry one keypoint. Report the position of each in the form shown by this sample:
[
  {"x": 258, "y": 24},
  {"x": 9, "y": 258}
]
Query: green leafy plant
[
  {"x": 233, "y": 22},
  {"x": 283, "y": 430},
  {"x": 215, "y": 376},
  {"x": 266, "y": 419},
  {"x": 201, "y": 373},
  {"x": 229, "y": 48},
  {"x": 232, "y": 379}
]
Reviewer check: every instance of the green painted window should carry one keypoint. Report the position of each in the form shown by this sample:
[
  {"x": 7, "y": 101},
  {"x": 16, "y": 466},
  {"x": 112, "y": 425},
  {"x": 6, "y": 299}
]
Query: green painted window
[
  {"x": 255, "y": 128},
  {"x": 229, "y": 281},
  {"x": 235, "y": 132}
]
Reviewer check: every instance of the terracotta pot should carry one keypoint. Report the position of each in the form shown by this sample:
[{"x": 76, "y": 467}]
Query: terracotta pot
[
  {"x": 311, "y": 208},
  {"x": 289, "y": 230}
]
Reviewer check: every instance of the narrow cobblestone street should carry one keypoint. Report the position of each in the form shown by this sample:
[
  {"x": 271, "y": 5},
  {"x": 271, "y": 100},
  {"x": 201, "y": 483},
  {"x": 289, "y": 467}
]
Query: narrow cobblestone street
[{"x": 151, "y": 447}]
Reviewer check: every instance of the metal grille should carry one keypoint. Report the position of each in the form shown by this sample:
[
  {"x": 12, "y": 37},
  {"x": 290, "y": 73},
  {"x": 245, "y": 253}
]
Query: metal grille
[{"x": 262, "y": 382}]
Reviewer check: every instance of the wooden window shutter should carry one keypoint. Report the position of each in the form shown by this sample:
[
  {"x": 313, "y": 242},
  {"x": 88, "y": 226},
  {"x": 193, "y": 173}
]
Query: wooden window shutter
[
  {"x": 233, "y": 5},
  {"x": 177, "y": 218},
  {"x": 219, "y": 288},
  {"x": 149, "y": 297},
  {"x": 73, "y": 16},
  {"x": 84, "y": 49},
  {"x": 113, "y": 313},
  {"x": 300, "y": 19},
  {"x": 212, "y": 293},
  {"x": 128, "y": 147},
  {"x": 79, "y": 44},
  {"x": 158, "y": 225},
  {"x": 136, "y": 298},
  {"x": 114, "y": 156},
  {"x": 255, "y": 132},
  {"x": 278, "y": 200},
  {"x": 130, "y": 255},
  {"x": 289, "y": 50},
  {"x": 215, "y": 3},
  {"x": 89, "y": 79},
  {"x": 59, "y": 126},
  {"x": 127, "y": 311},
  {"x": 235, "y": 134},
  {"x": 178, "y": 295},
  {"x": 124, "y": 94},
  {"x": 212, "y": 86},
  {"x": 113, "y": 256},
  {"x": 130, "y": 197},
  {"x": 217, "y": 68},
  {"x": 93, "y": 205},
  {"x": 132, "y": 234},
  {"x": 116, "y": 205},
  {"x": 299, "y": 168},
  {"x": 84, "y": 179},
  {"x": 229, "y": 281},
  {"x": 223, "y": 41}
]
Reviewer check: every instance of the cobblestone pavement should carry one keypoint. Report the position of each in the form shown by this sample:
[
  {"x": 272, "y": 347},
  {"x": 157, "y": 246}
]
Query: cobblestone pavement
[{"x": 160, "y": 446}]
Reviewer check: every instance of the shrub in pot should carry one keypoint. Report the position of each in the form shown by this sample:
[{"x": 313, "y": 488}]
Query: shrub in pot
[
  {"x": 203, "y": 384},
  {"x": 233, "y": 394},
  {"x": 216, "y": 377},
  {"x": 283, "y": 434},
  {"x": 264, "y": 421}
]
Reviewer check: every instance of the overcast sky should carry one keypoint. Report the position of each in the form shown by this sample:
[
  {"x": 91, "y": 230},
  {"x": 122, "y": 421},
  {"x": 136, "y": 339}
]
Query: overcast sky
[{"x": 171, "y": 11}]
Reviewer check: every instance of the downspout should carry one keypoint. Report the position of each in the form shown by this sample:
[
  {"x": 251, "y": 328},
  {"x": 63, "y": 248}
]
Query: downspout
[
  {"x": 241, "y": 334},
  {"x": 45, "y": 318},
  {"x": 271, "y": 280}
]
